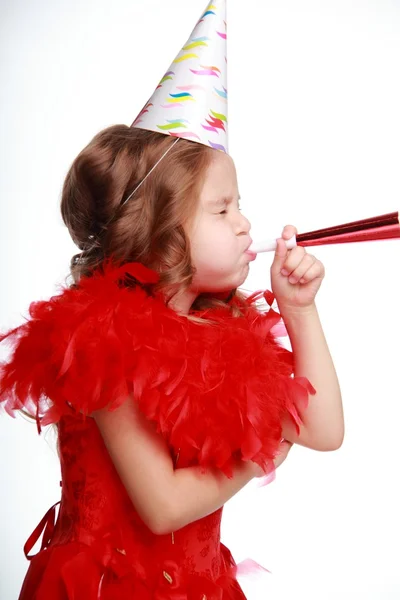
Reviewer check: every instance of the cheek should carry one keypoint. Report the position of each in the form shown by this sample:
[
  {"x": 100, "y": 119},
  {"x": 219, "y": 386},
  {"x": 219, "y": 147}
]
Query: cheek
[
  {"x": 213, "y": 246},
  {"x": 212, "y": 242}
]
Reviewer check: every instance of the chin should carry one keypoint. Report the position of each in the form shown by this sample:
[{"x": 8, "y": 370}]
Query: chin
[
  {"x": 242, "y": 278},
  {"x": 221, "y": 285}
]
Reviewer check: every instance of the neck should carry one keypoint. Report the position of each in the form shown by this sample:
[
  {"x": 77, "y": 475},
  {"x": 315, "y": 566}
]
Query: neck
[{"x": 182, "y": 302}]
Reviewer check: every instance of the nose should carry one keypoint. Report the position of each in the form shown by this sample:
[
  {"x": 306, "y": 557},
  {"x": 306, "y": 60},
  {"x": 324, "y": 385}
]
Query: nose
[{"x": 243, "y": 225}]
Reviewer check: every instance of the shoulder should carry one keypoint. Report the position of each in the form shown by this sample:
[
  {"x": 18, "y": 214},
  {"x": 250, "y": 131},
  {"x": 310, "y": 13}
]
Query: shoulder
[{"x": 75, "y": 349}]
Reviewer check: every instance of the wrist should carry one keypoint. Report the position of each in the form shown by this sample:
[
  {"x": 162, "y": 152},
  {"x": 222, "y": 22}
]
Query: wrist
[{"x": 289, "y": 312}]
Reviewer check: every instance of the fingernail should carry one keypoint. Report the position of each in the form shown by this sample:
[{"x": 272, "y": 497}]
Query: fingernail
[{"x": 284, "y": 272}]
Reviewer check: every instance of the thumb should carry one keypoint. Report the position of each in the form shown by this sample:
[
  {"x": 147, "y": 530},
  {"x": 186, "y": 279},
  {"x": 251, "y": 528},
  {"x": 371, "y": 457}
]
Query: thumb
[{"x": 281, "y": 253}]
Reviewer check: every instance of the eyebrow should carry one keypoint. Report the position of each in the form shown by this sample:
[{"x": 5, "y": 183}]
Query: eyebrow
[{"x": 222, "y": 200}]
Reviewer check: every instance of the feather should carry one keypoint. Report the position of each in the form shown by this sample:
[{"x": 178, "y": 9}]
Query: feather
[{"x": 215, "y": 392}]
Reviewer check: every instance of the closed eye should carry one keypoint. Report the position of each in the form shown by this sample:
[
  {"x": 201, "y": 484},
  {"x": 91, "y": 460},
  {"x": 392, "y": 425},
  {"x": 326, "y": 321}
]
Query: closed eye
[
  {"x": 224, "y": 211},
  {"x": 227, "y": 202}
]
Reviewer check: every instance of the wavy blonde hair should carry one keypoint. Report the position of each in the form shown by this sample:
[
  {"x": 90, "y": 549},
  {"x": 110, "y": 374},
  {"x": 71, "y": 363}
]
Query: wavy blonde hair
[{"x": 150, "y": 227}]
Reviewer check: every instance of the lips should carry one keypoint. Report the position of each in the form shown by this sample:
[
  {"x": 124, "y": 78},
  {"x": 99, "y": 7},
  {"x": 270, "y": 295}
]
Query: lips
[
  {"x": 249, "y": 245},
  {"x": 251, "y": 255}
]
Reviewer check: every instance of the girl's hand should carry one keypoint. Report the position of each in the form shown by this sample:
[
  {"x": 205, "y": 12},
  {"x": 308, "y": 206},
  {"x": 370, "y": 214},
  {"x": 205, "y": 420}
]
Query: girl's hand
[
  {"x": 284, "y": 448},
  {"x": 296, "y": 276}
]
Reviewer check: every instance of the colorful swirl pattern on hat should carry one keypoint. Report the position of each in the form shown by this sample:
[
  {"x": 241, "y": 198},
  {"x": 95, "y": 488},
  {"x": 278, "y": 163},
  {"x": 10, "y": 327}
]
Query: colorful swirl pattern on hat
[
  {"x": 190, "y": 100},
  {"x": 167, "y": 77},
  {"x": 210, "y": 71},
  {"x": 202, "y": 41},
  {"x": 144, "y": 110},
  {"x": 222, "y": 93}
]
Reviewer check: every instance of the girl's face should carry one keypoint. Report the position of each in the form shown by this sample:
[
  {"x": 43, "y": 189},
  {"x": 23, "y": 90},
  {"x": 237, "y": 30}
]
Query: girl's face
[{"x": 219, "y": 233}]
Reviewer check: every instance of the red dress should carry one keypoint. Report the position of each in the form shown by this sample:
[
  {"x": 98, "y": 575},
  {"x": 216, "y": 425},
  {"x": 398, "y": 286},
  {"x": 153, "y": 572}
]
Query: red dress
[{"x": 217, "y": 393}]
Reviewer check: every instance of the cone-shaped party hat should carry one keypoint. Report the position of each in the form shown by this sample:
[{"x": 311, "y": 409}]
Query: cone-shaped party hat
[{"x": 191, "y": 100}]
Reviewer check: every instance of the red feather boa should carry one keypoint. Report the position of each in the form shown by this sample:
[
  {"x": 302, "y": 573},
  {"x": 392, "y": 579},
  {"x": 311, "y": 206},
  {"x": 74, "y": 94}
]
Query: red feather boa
[{"x": 216, "y": 392}]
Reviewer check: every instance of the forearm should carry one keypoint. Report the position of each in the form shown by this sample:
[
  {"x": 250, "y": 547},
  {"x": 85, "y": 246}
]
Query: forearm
[
  {"x": 165, "y": 498},
  {"x": 323, "y": 419},
  {"x": 196, "y": 494}
]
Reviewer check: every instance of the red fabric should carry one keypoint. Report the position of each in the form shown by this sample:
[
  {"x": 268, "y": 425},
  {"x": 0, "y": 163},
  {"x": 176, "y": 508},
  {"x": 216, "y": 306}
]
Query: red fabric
[{"x": 217, "y": 393}]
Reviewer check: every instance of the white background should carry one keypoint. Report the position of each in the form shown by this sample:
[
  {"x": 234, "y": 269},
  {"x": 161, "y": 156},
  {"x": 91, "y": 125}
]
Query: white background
[{"x": 314, "y": 131}]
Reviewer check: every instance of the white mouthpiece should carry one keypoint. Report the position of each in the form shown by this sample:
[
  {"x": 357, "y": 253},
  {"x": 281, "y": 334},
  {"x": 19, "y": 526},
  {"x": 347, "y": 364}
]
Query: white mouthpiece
[{"x": 270, "y": 245}]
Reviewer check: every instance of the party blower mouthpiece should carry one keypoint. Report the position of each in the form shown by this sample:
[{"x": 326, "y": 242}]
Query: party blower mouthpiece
[
  {"x": 384, "y": 227},
  {"x": 270, "y": 245}
]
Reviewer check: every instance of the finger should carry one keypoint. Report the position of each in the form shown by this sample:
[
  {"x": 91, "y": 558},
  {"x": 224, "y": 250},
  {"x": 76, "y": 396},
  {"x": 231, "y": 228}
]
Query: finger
[
  {"x": 293, "y": 260},
  {"x": 288, "y": 232},
  {"x": 280, "y": 257},
  {"x": 304, "y": 266},
  {"x": 317, "y": 270},
  {"x": 286, "y": 445}
]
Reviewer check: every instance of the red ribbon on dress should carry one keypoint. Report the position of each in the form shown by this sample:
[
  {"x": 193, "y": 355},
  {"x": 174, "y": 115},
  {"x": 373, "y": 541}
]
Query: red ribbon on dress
[{"x": 46, "y": 526}]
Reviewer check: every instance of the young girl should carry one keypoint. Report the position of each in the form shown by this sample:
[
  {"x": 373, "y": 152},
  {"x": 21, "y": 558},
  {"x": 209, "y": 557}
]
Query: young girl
[
  {"x": 200, "y": 391},
  {"x": 168, "y": 388}
]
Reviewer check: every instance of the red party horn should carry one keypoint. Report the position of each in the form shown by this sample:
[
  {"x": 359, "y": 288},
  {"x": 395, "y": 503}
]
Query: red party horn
[{"x": 384, "y": 227}]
